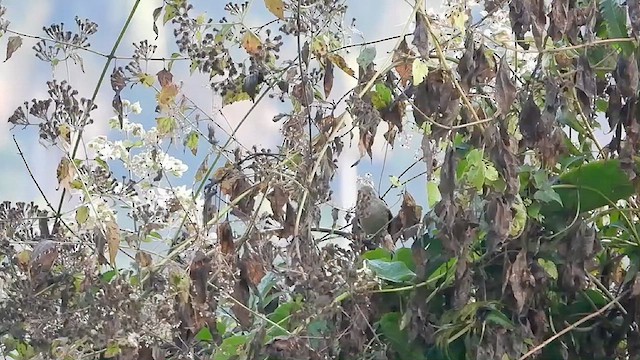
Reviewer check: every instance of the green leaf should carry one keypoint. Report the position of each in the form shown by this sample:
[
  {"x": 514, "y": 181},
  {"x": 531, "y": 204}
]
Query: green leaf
[
  {"x": 405, "y": 255},
  {"x": 378, "y": 253},
  {"x": 230, "y": 347},
  {"x": 419, "y": 71},
  {"x": 394, "y": 271},
  {"x": 82, "y": 214},
  {"x": 381, "y": 98},
  {"x": 498, "y": 318},
  {"x": 366, "y": 56},
  {"x": 113, "y": 349},
  {"x": 191, "y": 142},
  {"x": 204, "y": 335},
  {"x": 433, "y": 194},
  {"x": 589, "y": 187},
  {"x": 166, "y": 125},
  {"x": 549, "y": 267},
  {"x": 547, "y": 195},
  {"x": 615, "y": 20},
  {"x": 170, "y": 12},
  {"x": 389, "y": 326}
]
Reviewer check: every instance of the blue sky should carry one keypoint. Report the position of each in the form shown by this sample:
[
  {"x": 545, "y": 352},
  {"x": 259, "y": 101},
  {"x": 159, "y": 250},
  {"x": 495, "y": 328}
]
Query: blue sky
[{"x": 23, "y": 77}]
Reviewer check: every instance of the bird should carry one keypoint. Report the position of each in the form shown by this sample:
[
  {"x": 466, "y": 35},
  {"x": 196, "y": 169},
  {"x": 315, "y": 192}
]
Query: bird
[{"x": 372, "y": 216}]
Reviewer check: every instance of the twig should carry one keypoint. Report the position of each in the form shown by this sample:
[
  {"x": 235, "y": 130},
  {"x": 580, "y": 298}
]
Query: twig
[{"x": 572, "y": 326}]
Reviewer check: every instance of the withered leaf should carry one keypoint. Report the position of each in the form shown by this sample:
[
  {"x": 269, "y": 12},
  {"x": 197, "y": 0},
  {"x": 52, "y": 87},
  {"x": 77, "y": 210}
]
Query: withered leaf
[
  {"x": 241, "y": 294},
  {"x": 251, "y": 82},
  {"x": 13, "y": 44},
  {"x": 365, "y": 144},
  {"x": 521, "y": 280},
  {"x": 65, "y": 173},
  {"x": 143, "y": 259},
  {"x": 626, "y": 75},
  {"x": 328, "y": 78},
  {"x": 112, "y": 234},
  {"x": 410, "y": 212},
  {"x": 341, "y": 63},
  {"x": 538, "y": 21},
  {"x": 520, "y": 16},
  {"x": 165, "y": 77},
  {"x": 251, "y": 43},
  {"x": 403, "y": 57},
  {"x": 394, "y": 114},
  {"x": 251, "y": 268},
  {"x": 199, "y": 274},
  {"x": 421, "y": 35},
  {"x": 615, "y": 107},
  {"x": 43, "y": 257},
  {"x": 225, "y": 237},
  {"x": 634, "y": 16},
  {"x": 505, "y": 88},
  {"x": 278, "y": 199},
  {"x": 585, "y": 84},
  {"x": 529, "y": 121}
]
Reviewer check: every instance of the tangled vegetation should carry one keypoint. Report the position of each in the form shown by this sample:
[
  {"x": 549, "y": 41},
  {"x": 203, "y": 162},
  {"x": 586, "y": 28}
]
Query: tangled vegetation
[{"x": 527, "y": 245}]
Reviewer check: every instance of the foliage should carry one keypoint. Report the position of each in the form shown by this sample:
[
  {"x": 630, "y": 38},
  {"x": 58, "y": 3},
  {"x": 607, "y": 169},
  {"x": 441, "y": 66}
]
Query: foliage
[{"x": 527, "y": 245}]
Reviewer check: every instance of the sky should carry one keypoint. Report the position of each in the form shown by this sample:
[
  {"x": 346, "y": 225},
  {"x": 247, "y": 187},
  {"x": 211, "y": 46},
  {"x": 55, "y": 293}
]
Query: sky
[{"x": 23, "y": 77}]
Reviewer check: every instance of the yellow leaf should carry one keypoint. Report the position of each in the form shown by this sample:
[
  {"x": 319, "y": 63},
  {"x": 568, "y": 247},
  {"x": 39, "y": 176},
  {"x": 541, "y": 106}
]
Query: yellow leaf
[
  {"x": 146, "y": 79},
  {"x": 276, "y": 7},
  {"x": 339, "y": 61},
  {"x": 82, "y": 214},
  {"x": 419, "y": 71},
  {"x": 65, "y": 173},
  {"x": 251, "y": 43},
  {"x": 113, "y": 240},
  {"x": 167, "y": 95}
]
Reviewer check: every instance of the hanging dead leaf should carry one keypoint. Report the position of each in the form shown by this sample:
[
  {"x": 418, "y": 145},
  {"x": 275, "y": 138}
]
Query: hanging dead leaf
[
  {"x": 65, "y": 173},
  {"x": 529, "y": 121},
  {"x": 143, "y": 259},
  {"x": 240, "y": 307},
  {"x": 328, "y": 78},
  {"x": 340, "y": 62},
  {"x": 276, "y": 7},
  {"x": 403, "y": 57},
  {"x": 165, "y": 77},
  {"x": 421, "y": 35},
  {"x": 43, "y": 256},
  {"x": 505, "y": 88},
  {"x": 13, "y": 44},
  {"x": 199, "y": 273},
  {"x": 251, "y": 43},
  {"x": 225, "y": 237},
  {"x": 626, "y": 75},
  {"x": 251, "y": 268},
  {"x": 112, "y": 233}
]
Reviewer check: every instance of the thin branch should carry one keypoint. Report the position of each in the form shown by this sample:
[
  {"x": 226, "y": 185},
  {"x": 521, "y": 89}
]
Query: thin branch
[{"x": 573, "y": 326}]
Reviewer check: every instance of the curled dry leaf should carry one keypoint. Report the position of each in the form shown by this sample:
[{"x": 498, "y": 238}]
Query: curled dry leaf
[
  {"x": 112, "y": 233},
  {"x": 403, "y": 57},
  {"x": 505, "y": 88},
  {"x": 529, "y": 121},
  {"x": 521, "y": 281},
  {"x": 328, "y": 78},
  {"x": 13, "y": 44},
  {"x": 421, "y": 35},
  {"x": 225, "y": 238},
  {"x": 165, "y": 77},
  {"x": 626, "y": 75},
  {"x": 143, "y": 259},
  {"x": 340, "y": 62},
  {"x": 199, "y": 273},
  {"x": 65, "y": 173},
  {"x": 43, "y": 257}
]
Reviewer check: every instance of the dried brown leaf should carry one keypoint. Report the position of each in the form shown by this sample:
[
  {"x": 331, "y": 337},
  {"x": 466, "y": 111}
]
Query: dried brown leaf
[
  {"x": 421, "y": 35},
  {"x": 13, "y": 44},
  {"x": 626, "y": 75},
  {"x": 165, "y": 77},
  {"x": 403, "y": 57},
  {"x": 112, "y": 234},
  {"x": 505, "y": 88},
  {"x": 225, "y": 237},
  {"x": 328, "y": 79}
]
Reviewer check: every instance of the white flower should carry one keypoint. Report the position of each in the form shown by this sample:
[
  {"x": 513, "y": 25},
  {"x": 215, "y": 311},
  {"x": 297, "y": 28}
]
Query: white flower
[{"x": 136, "y": 108}]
